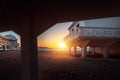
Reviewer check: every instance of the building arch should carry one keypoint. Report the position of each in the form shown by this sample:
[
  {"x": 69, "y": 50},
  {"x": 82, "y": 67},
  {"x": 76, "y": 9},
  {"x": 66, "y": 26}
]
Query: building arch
[{"x": 114, "y": 48}]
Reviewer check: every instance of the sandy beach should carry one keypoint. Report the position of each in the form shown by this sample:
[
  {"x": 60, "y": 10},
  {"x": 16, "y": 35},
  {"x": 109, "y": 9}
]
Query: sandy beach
[{"x": 59, "y": 65}]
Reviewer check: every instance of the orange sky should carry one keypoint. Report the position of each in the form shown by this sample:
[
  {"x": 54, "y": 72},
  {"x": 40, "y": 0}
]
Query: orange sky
[{"x": 54, "y": 35}]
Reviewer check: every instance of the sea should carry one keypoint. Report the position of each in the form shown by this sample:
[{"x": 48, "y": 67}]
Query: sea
[
  {"x": 52, "y": 49},
  {"x": 57, "y": 49}
]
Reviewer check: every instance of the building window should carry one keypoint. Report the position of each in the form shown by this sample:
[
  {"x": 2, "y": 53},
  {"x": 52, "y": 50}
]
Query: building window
[
  {"x": 77, "y": 25},
  {"x": 72, "y": 29}
]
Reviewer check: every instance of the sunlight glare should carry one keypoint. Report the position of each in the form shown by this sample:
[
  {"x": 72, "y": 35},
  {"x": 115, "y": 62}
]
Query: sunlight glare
[{"x": 62, "y": 45}]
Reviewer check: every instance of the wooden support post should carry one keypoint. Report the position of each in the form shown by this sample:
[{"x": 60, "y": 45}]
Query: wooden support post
[
  {"x": 69, "y": 50},
  {"x": 93, "y": 50},
  {"x": 5, "y": 47},
  {"x": 75, "y": 50},
  {"x": 29, "y": 53},
  {"x": 29, "y": 57},
  {"x": 106, "y": 52},
  {"x": 83, "y": 51}
]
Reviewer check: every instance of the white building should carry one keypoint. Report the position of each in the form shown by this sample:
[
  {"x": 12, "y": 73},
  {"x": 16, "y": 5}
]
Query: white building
[
  {"x": 8, "y": 42},
  {"x": 104, "y": 27},
  {"x": 102, "y": 33}
]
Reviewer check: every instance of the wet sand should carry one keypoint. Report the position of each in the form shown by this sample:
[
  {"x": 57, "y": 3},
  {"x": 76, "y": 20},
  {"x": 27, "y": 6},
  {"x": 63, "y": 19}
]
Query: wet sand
[{"x": 61, "y": 66}]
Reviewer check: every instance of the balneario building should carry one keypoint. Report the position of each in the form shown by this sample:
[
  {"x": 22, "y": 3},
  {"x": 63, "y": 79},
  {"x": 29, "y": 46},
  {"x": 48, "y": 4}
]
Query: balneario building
[
  {"x": 8, "y": 42},
  {"x": 101, "y": 35}
]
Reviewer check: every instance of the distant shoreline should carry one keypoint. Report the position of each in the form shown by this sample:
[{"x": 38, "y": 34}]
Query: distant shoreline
[{"x": 51, "y": 49}]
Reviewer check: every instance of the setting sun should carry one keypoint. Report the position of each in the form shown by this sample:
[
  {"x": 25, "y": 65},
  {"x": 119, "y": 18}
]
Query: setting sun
[
  {"x": 62, "y": 45},
  {"x": 53, "y": 37}
]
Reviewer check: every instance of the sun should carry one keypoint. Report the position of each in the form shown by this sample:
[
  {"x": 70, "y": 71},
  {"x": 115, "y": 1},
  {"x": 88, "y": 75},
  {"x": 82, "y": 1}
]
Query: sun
[{"x": 62, "y": 45}]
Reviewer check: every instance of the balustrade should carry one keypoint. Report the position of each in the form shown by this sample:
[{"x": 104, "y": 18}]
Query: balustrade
[{"x": 94, "y": 32}]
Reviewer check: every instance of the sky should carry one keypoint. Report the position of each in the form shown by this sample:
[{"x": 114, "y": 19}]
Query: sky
[
  {"x": 50, "y": 38},
  {"x": 54, "y": 35}
]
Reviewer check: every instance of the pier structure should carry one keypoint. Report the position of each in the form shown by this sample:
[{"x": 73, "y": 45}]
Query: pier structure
[
  {"x": 8, "y": 42},
  {"x": 99, "y": 35}
]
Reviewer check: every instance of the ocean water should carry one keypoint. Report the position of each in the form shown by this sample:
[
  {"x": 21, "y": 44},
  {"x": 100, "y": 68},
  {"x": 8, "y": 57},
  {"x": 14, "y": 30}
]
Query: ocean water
[
  {"x": 52, "y": 49},
  {"x": 56, "y": 49}
]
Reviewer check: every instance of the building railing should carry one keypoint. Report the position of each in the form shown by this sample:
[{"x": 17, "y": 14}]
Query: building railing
[
  {"x": 94, "y": 32},
  {"x": 7, "y": 42}
]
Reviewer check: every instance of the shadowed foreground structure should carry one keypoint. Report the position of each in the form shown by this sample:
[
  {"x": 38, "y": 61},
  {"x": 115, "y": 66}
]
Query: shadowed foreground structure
[
  {"x": 58, "y": 65},
  {"x": 29, "y": 19},
  {"x": 62, "y": 66}
]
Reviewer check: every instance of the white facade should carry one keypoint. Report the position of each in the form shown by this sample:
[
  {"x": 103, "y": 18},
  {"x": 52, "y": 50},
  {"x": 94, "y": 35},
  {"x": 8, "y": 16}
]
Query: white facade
[
  {"x": 102, "y": 22},
  {"x": 8, "y": 42},
  {"x": 106, "y": 27}
]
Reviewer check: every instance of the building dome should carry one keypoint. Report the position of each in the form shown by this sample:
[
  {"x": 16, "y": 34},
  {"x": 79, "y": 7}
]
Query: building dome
[{"x": 9, "y": 36}]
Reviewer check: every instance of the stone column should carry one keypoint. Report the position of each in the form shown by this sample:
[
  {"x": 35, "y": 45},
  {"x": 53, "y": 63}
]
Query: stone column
[
  {"x": 69, "y": 50},
  {"x": 5, "y": 47},
  {"x": 83, "y": 51},
  {"x": 106, "y": 52},
  {"x": 93, "y": 50},
  {"x": 79, "y": 52},
  {"x": 75, "y": 50}
]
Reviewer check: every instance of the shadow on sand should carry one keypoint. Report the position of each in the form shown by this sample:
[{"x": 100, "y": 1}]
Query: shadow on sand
[{"x": 62, "y": 66}]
